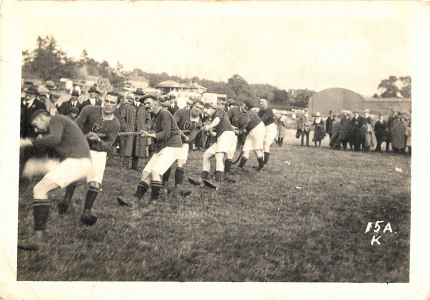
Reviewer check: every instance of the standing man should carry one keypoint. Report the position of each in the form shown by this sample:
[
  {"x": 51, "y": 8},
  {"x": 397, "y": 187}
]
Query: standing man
[
  {"x": 104, "y": 130},
  {"x": 168, "y": 145},
  {"x": 390, "y": 123},
  {"x": 380, "y": 132},
  {"x": 30, "y": 104},
  {"x": 92, "y": 100},
  {"x": 246, "y": 121},
  {"x": 266, "y": 115},
  {"x": 304, "y": 125},
  {"x": 66, "y": 106},
  {"x": 62, "y": 134},
  {"x": 329, "y": 123},
  {"x": 346, "y": 131},
  {"x": 134, "y": 117}
]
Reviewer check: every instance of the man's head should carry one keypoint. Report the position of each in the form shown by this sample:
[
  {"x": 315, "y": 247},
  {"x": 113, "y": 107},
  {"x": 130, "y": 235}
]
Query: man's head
[
  {"x": 330, "y": 112},
  {"x": 209, "y": 109},
  {"x": 40, "y": 121},
  {"x": 110, "y": 102},
  {"x": 197, "y": 108},
  {"x": 152, "y": 103},
  {"x": 264, "y": 103},
  {"x": 221, "y": 103},
  {"x": 247, "y": 105},
  {"x": 93, "y": 92}
]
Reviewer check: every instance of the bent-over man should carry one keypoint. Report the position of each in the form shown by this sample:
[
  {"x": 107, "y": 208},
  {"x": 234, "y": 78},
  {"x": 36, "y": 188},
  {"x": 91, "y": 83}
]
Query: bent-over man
[{"x": 62, "y": 134}]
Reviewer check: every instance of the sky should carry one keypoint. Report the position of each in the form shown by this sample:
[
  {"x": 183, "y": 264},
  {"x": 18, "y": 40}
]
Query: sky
[{"x": 288, "y": 45}]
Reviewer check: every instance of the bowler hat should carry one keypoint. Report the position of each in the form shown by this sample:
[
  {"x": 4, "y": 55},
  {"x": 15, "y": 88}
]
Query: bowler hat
[
  {"x": 139, "y": 92},
  {"x": 43, "y": 90},
  {"x": 75, "y": 93},
  {"x": 142, "y": 99},
  {"x": 50, "y": 85},
  {"x": 93, "y": 89},
  {"x": 32, "y": 90}
]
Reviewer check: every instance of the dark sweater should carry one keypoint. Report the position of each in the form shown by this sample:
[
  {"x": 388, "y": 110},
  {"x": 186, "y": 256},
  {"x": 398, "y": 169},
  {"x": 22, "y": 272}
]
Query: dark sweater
[{"x": 65, "y": 137}]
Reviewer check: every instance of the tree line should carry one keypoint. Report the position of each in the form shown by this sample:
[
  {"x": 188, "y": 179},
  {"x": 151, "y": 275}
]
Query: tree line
[{"x": 48, "y": 62}]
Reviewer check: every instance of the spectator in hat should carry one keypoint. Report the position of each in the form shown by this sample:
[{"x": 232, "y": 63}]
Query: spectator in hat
[
  {"x": 282, "y": 128},
  {"x": 329, "y": 122},
  {"x": 51, "y": 105},
  {"x": 319, "y": 131},
  {"x": 398, "y": 134},
  {"x": 50, "y": 85},
  {"x": 346, "y": 135},
  {"x": 139, "y": 93},
  {"x": 66, "y": 106},
  {"x": 380, "y": 131},
  {"x": 92, "y": 100},
  {"x": 390, "y": 122},
  {"x": 133, "y": 117},
  {"x": 304, "y": 127},
  {"x": 356, "y": 123},
  {"x": 336, "y": 128},
  {"x": 29, "y": 105}
]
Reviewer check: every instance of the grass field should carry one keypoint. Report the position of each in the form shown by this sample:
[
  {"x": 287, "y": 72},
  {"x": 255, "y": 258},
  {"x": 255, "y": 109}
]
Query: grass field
[{"x": 303, "y": 219}]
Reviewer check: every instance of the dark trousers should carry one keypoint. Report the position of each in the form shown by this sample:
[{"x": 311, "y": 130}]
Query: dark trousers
[{"x": 303, "y": 133}]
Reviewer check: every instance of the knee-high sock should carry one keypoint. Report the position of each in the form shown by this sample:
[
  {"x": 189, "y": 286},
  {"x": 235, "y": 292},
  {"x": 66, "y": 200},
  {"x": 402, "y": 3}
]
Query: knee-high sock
[
  {"x": 155, "y": 189},
  {"x": 266, "y": 157},
  {"x": 40, "y": 213},
  {"x": 166, "y": 175},
  {"x": 91, "y": 197},
  {"x": 179, "y": 176},
  {"x": 141, "y": 189},
  {"x": 70, "y": 190},
  {"x": 227, "y": 166},
  {"x": 260, "y": 162},
  {"x": 243, "y": 161}
]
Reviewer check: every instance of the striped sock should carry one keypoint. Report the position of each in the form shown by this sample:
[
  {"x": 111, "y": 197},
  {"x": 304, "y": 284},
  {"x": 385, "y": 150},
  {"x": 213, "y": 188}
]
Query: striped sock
[
  {"x": 243, "y": 162},
  {"x": 179, "y": 176},
  {"x": 155, "y": 189},
  {"x": 91, "y": 197},
  {"x": 40, "y": 213},
  {"x": 142, "y": 187},
  {"x": 205, "y": 174}
]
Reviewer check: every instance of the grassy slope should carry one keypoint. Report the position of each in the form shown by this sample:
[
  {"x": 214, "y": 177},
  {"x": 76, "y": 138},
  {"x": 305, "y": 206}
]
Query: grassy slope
[{"x": 259, "y": 229}]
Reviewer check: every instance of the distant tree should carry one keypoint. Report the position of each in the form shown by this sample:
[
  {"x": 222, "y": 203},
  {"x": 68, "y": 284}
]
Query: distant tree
[
  {"x": 388, "y": 87},
  {"x": 280, "y": 97},
  {"x": 238, "y": 88},
  {"x": 47, "y": 61}
]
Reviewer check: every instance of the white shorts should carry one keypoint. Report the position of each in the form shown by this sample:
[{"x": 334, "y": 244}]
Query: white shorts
[
  {"x": 68, "y": 171},
  {"x": 183, "y": 154},
  {"x": 162, "y": 160},
  {"x": 98, "y": 166},
  {"x": 269, "y": 136},
  {"x": 255, "y": 138},
  {"x": 225, "y": 143}
]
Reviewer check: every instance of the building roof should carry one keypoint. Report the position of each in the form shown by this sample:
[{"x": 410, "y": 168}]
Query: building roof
[{"x": 169, "y": 83}]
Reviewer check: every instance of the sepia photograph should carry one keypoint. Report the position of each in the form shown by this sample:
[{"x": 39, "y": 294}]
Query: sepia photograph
[{"x": 216, "y": 142}]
